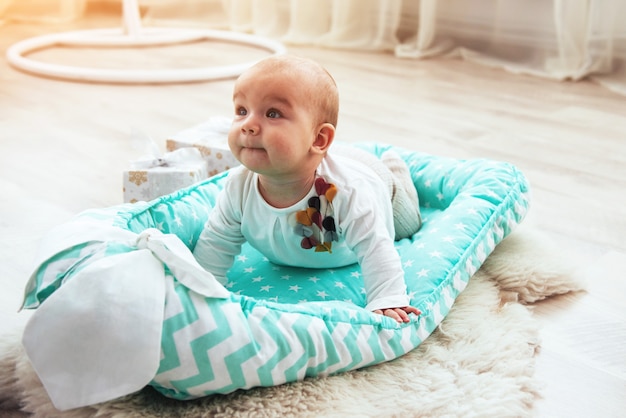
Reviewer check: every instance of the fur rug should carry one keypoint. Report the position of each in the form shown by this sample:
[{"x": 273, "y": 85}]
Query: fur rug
[{"x": 479, "y": 362}]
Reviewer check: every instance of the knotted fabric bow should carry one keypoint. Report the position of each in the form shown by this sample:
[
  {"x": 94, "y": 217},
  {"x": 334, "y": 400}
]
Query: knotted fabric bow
[{"x": 98, "y": 337}]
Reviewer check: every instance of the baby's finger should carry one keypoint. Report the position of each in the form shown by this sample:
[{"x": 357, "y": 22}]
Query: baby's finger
[
  {"x": 402, "y": 315},
  {"x": 412, "y": 309},
  {"x": 393, "y": 314}
]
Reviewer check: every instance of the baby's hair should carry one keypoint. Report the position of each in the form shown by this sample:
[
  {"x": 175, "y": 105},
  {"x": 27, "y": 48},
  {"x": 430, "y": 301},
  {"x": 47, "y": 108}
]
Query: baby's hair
[{"x": 324, "y": 94}]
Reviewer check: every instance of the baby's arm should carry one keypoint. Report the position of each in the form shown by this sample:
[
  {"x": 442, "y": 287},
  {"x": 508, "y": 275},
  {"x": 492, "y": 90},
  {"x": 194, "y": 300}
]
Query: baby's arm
[
  {"x": 383, "y": 277},
  {"x": 215, "y": 253},
  {"x": 381, "y": 265},
  {"x": 220, "y": 240}
]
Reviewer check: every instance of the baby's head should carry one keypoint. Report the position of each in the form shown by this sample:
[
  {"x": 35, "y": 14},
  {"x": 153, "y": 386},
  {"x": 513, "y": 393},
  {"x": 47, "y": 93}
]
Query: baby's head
[
  {"x": 286, "y": 110},
  {"x": 313, "y": 85}
]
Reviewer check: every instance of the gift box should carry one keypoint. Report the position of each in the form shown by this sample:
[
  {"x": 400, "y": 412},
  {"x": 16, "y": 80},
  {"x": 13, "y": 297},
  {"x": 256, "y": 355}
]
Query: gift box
[
  {"x": 151, "y": 177},
  {"x": 211, "y": 139}
]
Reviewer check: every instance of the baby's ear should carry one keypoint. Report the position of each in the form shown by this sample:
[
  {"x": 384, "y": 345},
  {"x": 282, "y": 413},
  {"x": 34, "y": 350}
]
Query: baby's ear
[{"x": 324, "y": 138}]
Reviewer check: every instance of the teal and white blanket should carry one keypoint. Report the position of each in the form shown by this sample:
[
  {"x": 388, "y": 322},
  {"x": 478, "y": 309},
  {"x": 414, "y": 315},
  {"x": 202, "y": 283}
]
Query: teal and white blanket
[{"x": 121, "y": 302}]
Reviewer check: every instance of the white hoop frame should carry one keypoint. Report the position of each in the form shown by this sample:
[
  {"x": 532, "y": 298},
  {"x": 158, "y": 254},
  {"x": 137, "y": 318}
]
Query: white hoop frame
[{"x": 116, "y": 37}]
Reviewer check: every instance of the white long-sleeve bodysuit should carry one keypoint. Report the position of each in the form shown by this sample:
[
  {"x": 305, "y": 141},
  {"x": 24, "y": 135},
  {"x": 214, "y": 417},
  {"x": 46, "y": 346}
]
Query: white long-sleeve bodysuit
[{"x": 363, "y": 222}]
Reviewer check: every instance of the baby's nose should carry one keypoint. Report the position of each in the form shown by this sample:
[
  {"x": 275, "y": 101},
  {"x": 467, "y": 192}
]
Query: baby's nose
[{"x": 250, "y": 126}]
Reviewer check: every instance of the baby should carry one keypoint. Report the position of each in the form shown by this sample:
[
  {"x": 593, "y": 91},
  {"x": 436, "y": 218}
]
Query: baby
[{"x": 301, "y": 205}]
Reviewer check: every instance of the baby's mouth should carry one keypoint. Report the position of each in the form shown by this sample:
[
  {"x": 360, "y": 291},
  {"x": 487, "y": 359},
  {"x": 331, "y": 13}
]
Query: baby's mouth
[{"x": 252, "y": 149}]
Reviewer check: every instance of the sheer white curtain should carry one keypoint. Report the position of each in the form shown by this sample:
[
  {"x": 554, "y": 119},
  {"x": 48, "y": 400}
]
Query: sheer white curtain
[{"x": 560, "y": 39}]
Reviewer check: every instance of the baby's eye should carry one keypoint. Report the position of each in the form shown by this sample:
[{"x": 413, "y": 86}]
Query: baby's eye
[
  {"x": 273, "y": 114},
  {"x": 241, "y": 111}
]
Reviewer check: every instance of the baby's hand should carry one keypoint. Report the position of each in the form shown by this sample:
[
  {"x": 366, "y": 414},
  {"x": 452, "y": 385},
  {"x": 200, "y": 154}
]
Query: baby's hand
[{"x": 399, "y": 314}]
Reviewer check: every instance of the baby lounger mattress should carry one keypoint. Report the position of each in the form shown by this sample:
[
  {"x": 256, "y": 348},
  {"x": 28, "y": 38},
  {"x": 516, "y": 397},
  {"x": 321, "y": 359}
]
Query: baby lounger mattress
[{"x": 121, "y": 301}]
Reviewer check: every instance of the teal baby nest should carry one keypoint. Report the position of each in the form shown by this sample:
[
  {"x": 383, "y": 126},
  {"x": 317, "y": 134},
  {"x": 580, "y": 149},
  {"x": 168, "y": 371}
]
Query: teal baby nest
[{"x": 277, "y": 324}]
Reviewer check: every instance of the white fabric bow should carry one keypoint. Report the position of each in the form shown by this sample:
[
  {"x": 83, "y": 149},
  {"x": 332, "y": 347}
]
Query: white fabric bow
[
  {"x": 98, "y": 337},
  {"x": 178, "y": 258}
]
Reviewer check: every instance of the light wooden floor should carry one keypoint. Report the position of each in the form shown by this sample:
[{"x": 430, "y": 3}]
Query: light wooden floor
[{"x": 64, "y": 146}]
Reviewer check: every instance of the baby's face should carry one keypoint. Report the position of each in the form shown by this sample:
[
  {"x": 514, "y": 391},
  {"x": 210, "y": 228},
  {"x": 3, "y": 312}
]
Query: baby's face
[{"x": 273, "y": 127}]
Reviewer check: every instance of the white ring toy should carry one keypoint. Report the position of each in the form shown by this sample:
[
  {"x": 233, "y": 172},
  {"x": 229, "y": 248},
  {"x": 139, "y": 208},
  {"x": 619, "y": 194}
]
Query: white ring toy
[{"x": 132, "y": 35}]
